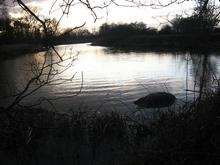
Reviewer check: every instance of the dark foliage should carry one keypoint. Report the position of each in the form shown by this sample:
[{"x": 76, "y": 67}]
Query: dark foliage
[{"x": 187, "y": 136}]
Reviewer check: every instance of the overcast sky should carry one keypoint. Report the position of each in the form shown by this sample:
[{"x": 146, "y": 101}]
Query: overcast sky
[{"x": 80, "y": 14}]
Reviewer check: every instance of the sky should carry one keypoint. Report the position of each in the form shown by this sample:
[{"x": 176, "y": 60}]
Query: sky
[{"x": 79, "y": 13}]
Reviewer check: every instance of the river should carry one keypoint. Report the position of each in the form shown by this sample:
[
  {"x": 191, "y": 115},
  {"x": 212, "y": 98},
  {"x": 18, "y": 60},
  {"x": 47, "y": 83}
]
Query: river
[{"x": 105, "y": 80}]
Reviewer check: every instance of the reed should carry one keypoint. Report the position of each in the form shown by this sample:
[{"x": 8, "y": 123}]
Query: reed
[{"x": 189, "y": 135}]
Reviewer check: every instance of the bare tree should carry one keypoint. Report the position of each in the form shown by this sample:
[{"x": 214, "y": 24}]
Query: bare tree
[
  {"x": 3, "y": 9},
  {"x": 47, "y": 71},
  {"x": 49, "y": 27},
  {"x": 3, "y": 15}
]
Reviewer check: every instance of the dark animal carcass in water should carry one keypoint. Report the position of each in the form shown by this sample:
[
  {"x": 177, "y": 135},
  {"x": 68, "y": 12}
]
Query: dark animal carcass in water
[{"x": 156, "y": 100}]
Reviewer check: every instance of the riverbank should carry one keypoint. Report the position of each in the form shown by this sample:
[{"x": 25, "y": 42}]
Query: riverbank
[
  {"x": 37, "y": 136},
  {"x": 162, "y": 42},
  {"x": 154, "y": 42},
  {"x": 12, "y": 50},
  {"x": 15, "y": 50}
]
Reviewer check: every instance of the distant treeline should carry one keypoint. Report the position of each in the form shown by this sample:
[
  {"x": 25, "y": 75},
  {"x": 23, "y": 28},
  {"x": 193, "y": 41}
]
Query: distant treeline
[
  {"x": 27, "y": 30},
  {"x": 168, "y": 37},
  {"x": 181, "y": 32},
  {"x": 195, "y": 31}
]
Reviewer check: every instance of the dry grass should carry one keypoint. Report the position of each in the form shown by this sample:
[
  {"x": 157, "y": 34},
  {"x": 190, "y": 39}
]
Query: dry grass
[{"x": 35, "y": 136}]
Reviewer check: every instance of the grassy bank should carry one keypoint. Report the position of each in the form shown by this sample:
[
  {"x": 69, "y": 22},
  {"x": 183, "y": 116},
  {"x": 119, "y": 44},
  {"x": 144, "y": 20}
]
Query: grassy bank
[{"x": 188, "y": 136}]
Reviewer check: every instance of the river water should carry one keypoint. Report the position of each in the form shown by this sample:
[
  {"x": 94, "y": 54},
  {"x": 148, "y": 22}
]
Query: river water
[{"x": 104, "y": 79}]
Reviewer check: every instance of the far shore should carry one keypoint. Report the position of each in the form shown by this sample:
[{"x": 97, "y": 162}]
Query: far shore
[
  {"x": 14, "y": 50},
  {"x": 155, "y": 43},
  {"x": 162, "y": 42}
]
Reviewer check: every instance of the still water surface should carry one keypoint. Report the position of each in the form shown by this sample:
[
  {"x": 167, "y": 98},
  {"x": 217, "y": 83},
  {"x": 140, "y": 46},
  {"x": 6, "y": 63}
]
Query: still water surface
[{"x": 106, "y": 80}]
